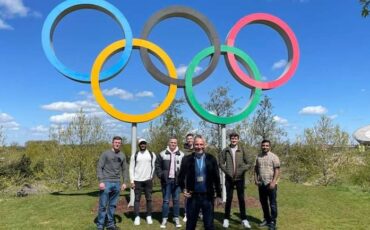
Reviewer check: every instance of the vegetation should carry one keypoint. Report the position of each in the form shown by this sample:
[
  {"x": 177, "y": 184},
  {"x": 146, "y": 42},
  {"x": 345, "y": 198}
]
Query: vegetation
[{"x": 300, "y": 207}]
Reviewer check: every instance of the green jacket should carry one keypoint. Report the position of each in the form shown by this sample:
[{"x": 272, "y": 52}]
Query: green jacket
[{"x": 226, "y": 164}]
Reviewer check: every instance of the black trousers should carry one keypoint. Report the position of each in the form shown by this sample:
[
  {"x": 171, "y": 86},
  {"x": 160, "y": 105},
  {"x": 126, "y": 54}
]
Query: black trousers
[
  {"x": 268, "y": 201},
  {"x": 196, "y": 203},
  {"x": 146, "y": 187},
  {"x": 239, "y": 185}
]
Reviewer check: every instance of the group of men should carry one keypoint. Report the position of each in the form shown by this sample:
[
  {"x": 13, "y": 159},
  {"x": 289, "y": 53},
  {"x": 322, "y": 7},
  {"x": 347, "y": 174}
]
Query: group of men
[{"x": 193, "y": 172}]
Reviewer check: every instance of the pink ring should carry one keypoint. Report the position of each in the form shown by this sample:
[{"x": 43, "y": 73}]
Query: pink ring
[{"x": 290, "y": 41}]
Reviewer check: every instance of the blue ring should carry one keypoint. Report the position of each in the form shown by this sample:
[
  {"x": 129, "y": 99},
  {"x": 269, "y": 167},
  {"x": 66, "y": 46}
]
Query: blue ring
[{"x": 66, "y": 7}]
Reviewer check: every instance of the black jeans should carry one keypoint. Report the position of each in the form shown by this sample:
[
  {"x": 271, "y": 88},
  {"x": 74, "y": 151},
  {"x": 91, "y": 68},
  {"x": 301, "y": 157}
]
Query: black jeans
[
  {"x": 267, "y": 196},
  {"x": 230, "y": 185},
  {"x": 196, "y": 203},
  {"x": 146, "y": 187}
]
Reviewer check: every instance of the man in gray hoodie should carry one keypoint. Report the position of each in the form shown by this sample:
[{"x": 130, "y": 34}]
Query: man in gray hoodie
[{"x": 112, "y": 166}]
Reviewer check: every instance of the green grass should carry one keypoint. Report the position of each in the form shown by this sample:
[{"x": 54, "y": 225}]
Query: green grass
[{"x": 300, "y": 207}]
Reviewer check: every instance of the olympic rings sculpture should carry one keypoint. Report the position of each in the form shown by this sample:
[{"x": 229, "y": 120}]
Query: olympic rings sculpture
[{"x": 231, "y": 54}]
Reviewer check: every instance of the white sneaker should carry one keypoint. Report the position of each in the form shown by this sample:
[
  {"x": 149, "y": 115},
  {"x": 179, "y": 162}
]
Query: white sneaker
[
  {"x": 164, "y": 223},
  {"x": 149, "y": 220},
  {"x": 226, "y": 223},
  {"x": 246, "y": 224},
  {"x": 137, "y": 220},
  {"x": 185, "y": 219},
  {"x": 177, "y": 222}
]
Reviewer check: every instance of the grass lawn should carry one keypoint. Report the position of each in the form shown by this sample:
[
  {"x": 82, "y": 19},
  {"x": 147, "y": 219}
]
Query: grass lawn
[{"x": 300, "y": 207}]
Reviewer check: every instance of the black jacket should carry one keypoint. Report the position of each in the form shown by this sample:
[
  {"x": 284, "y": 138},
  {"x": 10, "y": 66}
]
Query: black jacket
[
  {"x": 162, "y": 165},
  {"x": 187, "y": 175}
]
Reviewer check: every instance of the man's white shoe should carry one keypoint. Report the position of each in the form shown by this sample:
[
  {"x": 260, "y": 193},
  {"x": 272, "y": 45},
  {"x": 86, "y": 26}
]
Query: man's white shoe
[
  {"x": 226, "y": 223},
  {"x": 137, "y": 220},
  {"x": 246, "y": 224},
  {"x": 164, "y": 222},
  {"x": 149, "y": 220},
  {"x": 177, "y": 222}
]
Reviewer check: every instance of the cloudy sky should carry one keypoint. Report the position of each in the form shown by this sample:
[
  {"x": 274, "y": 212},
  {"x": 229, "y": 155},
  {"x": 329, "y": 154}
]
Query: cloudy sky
[{"x": 332, "y": 76}]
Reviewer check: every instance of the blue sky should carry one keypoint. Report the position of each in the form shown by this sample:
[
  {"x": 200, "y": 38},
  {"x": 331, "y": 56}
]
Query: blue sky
[{"x": 332, "y": 76}]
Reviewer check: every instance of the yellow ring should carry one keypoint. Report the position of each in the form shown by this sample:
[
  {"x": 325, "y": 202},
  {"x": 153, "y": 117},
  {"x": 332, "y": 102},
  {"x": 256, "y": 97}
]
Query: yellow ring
[{"x": 95, "y": 85}]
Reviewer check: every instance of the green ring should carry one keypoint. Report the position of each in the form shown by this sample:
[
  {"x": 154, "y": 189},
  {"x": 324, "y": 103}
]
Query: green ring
[{"x": 205, "y": 114}]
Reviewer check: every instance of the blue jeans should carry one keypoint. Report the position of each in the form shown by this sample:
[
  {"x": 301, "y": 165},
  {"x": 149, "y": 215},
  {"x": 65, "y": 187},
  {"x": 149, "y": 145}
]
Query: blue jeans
[
  {"x": 107, "y": 203},
  {"x": 168, "y": 190},
  {"x": 196, "y": 203}
]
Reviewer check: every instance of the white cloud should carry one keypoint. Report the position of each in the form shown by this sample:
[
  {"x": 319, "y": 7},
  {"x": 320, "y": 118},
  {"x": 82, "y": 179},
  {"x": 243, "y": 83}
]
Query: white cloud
[
  {"x": 5, "y": 26},
  {"x": 333, "y": 116},
  {"x": 155, "y": 105},
  {"x": 40, "y": 129},
  {"x": 66, "y": 106},
  {"x": 145, "y": 94},
  {"x": 8, "y": 122},
  {"x": 63, "y": 118},
  {"x": 5, "y": 118},
  {"x": 313, "y": 110},
  {"x": 279, "y": 64},
  {"x": 121, "y": 93},
  {"x": 12, "y": 9},
  {"x": 280, "y": 120},
  {"x": 181, "y": 70}
]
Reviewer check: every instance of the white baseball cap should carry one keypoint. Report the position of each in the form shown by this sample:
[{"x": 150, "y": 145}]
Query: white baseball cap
[{"x": 141, "y": 140}]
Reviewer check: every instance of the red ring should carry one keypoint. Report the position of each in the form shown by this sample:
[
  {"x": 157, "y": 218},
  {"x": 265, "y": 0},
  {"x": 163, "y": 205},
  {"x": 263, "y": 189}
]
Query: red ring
[{"x": 290, "y": 40}]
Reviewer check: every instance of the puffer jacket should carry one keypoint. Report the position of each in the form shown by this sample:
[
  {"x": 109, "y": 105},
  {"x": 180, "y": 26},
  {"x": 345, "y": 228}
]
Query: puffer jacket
[{"x": 162, "y": 165}]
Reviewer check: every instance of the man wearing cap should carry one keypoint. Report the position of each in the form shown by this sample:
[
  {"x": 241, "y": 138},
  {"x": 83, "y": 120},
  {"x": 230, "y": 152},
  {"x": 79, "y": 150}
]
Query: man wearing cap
[
  {"x": 167, "y": 168},
  {"x": 111, "y": 167},
  {"x": 142, "y": 165},
  {"x": 234, "y": 163}
]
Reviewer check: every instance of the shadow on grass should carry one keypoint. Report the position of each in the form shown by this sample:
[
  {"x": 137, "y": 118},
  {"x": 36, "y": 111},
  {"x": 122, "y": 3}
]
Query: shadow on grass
[{"x": 94, "y": 193}]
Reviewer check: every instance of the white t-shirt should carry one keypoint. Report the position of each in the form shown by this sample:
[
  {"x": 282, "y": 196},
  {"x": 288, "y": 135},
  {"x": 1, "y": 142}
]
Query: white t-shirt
[{"x": 143, "y": 169}]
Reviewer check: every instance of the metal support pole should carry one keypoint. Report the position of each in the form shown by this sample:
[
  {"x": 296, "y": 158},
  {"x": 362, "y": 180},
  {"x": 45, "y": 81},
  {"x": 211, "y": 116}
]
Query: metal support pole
[
  {"x": 223, "y": 145},
  {"x": 133, "y": 151}
]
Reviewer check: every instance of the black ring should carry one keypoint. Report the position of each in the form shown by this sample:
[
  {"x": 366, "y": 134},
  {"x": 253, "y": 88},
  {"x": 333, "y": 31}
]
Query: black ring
[{"x": 188, "y": 13}]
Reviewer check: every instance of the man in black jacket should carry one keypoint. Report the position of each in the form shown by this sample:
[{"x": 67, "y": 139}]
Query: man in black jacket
[
  {"x": 199, "y": 179},
  {"x": 167, "y": 168}
]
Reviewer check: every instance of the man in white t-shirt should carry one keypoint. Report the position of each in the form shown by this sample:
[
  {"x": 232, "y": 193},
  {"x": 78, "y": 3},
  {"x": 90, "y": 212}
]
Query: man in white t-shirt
[{"x": 142, "y": 165}]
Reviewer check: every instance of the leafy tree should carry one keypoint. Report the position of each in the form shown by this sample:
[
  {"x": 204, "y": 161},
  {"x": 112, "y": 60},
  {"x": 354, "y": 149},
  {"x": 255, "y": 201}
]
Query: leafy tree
[
  {"x": 2, "y": 137},
  {"x": 221, "y": 104},
  {"x": 80, "y": 144},
  {"x": 263, "y": 126},
  {"x": 171, "y": 123},
  {"x": 365, "y": 7}
]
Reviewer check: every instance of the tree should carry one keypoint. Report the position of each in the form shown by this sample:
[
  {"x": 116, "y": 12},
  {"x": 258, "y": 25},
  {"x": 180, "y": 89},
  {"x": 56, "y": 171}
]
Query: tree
[
  {"x": 365, "y": 7},
  {"x": 220, "y": 104},
  {"x": 80, "y": 142},
  {"x": 264, "y": 126},
  {"x": 327, "y": 143},
  {"x": 171, "y": 123},
  {"x": 2, "y": 137}
]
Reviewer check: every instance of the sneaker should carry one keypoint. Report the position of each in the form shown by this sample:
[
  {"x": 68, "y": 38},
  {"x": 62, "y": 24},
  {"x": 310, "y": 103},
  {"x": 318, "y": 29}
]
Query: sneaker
[
  {"x": 149, "y": 220},
  {"x": 226, "y": 223},
  {"x": 184, "y": 219},
  {"x": 164, "y": 223},
  {"x": 263, "y": 224},
  {"x": 272, "y": 225},
  {"x": 137, "y": 220},
  {"x": 246, "y": 224},
  {"x": 177, "y": 222}
]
